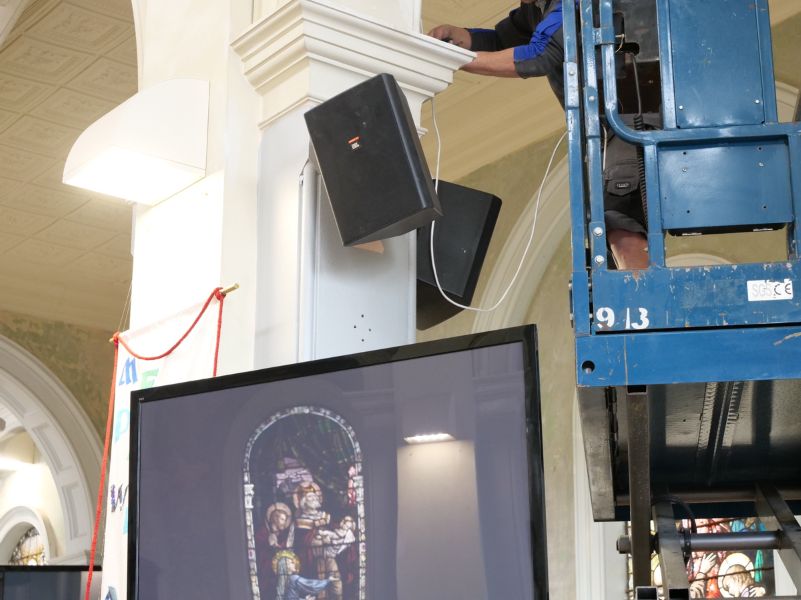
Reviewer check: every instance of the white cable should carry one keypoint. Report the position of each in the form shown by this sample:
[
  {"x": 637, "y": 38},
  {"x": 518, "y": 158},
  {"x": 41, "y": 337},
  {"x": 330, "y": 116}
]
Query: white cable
[
  {"x": 439, "y": 155},
  {"x": 530, "y": 237},
  {"x": 603, "y": 160}
]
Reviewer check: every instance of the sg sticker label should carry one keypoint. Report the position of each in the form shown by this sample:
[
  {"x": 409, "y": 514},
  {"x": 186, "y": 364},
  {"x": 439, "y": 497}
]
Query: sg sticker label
[{"x": 761, "y": 290}]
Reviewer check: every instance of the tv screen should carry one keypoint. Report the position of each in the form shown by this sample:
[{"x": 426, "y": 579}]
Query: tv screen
[
  {"x": 50, "y": 582},
  {"x": 410, "y": 473}
]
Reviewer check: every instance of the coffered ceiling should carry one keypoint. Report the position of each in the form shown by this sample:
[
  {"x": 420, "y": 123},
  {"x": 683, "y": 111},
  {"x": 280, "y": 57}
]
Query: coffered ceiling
[{"x": 65, "y": 253}]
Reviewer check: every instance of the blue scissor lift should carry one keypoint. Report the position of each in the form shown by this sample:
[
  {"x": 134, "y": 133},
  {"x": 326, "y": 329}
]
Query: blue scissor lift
[{"x": 689, "y": 378}]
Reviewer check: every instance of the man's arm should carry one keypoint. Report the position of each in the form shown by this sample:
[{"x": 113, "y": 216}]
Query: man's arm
[
  {"x": 512, "y": 49},
  {"x": 496, "y": 64}
]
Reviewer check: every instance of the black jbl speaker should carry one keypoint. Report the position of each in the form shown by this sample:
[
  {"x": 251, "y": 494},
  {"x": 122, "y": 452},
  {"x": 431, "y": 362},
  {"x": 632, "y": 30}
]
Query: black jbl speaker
[
  {"x": 461, "y": 239},
  {"x": 371, "y": 162}
]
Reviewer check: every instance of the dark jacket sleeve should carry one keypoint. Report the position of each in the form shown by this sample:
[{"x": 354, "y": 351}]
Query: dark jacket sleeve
[
  {"x": 543, "y": 52},
  {"x": 537, "y": 40},
  {"x": 547, "y": 61},
  {"x": 519, "y": 26},
  {"x": 514, "y": 30}
]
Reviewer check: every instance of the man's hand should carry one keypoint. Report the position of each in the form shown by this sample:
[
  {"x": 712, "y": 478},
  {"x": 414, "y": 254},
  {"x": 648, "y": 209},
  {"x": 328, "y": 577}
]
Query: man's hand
[{"x": 459, "y": 36}]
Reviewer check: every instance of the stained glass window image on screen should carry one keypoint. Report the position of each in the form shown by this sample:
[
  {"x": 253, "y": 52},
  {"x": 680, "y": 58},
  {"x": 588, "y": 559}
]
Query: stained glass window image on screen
[{"x": 410, "y": 479}]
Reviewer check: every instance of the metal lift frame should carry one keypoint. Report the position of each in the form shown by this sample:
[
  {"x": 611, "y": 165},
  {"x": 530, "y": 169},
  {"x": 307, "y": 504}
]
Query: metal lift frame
[
  {"x": 675, "y": 329},
  {"x": 696, "y": 316}
]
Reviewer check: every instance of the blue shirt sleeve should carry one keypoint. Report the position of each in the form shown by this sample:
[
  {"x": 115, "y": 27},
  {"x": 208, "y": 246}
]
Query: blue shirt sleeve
[{"x": 542, "y": 36}]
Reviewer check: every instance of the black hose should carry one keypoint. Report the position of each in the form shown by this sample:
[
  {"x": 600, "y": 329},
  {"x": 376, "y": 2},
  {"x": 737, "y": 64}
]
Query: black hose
[{"x": 639, "y": 125}]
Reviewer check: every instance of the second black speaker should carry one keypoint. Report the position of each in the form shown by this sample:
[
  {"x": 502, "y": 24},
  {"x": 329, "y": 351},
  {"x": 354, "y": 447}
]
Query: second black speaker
[{"x": 461, "y": 239}]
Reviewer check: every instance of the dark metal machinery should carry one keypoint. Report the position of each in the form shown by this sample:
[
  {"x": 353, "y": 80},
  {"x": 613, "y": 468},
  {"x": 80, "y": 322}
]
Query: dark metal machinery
[{"x": 689, "y": 378}]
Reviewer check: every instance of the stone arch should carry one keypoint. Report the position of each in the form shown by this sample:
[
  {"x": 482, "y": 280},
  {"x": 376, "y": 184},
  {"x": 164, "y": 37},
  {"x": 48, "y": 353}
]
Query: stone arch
[
  {"x": 65, "y": 437},
  {"x": 15, "y": 523},
  {"x": 10, "y": 12},
  {"x": 553, "y": 223}
]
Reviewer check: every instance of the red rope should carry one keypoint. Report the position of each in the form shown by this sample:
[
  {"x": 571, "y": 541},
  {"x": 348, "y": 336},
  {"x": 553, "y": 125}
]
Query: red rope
[
  {"x": 217, "y": 292},
  {"x": 117, "y": 340},
  {"x": 106, "y": 444},
  {"x": 220, "y": 298}
]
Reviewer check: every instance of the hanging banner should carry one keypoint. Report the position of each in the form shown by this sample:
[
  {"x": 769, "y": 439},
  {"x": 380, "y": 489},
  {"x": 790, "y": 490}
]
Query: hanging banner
[{"x": 191, "y": 359}]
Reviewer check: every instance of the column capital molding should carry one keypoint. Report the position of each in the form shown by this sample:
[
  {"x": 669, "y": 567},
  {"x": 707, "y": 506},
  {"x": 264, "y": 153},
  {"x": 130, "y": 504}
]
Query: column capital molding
[{"x": 311, "y": 50}]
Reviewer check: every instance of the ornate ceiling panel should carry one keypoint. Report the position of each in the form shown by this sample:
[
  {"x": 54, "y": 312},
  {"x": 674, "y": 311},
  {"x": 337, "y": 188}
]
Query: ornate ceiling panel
[
  {"x": 19, "y": 164},
  {"x": 107, "y": 79},
  {"x": 44, "y": 201},
  {"x": 81, "y": 29},
  {"x": 75, "y": 235},
  {"x": 21, "y": 95},
  {"x": 39, "y": 136},
  {"x": 118, "y": 247},
  {"x": 97, "y": 267},
  {"x": 120, "y": 9},
  {"x": 72, "y": 108},
  {"x": 101, "y": 213},
  {"x": 9, "y": 240},
  {"x": 8, "y": 188},
  {"x": 125, "y": 52},
  {"x": 6, "y": 119},
  {"x": 42, "y": 253},
  {"x": 63, "y": 65},
  {"x": 22, "y": 223},
  {"x": 30, "y": 58}
]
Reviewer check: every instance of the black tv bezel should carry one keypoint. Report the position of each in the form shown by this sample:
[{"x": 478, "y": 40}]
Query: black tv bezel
[{"x": 526, "y": 335}]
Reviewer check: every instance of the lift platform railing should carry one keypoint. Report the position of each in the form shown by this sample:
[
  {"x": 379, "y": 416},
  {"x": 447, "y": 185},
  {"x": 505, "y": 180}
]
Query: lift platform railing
[
  {"x": 720, "y": 163},
  {"x": 689, "y": 378}
]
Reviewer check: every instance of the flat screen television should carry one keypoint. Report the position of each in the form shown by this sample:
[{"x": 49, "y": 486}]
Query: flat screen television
[
  {"x": 411, "y": 473},
  {"x": 50, "y": 582}
]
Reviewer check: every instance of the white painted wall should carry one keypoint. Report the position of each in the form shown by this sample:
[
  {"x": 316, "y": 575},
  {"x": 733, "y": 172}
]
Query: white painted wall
[
  {"x": 312, "y": 293},
  {"x": 205, "y": 236},
  {"x": 401, "y": 13},
  {"x": 241, "y": 224},
  {"x": 31, "y": 485}
]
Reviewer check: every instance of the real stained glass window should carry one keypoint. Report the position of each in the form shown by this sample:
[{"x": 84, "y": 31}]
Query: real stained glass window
[
  {"x": 29, "y": 551},
  {"x": 732, "y": 574}
]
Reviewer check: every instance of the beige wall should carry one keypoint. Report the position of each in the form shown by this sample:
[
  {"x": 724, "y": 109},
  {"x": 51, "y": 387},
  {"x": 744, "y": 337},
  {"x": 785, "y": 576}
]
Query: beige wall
[
  {"x": 786, "y": 42},
  {"x": 515, "y": 179},
  {"x": 80, "y": 357}
]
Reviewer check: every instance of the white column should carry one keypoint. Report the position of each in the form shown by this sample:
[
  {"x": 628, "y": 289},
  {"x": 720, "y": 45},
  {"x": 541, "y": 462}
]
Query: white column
[
  {"x": 302, "y": 294},
  {"x": 314, "y": 297},
  {"x": 204, "y": 236},
  {"x": 404, "y": 14},
  {"x": 600, "y": 571}
]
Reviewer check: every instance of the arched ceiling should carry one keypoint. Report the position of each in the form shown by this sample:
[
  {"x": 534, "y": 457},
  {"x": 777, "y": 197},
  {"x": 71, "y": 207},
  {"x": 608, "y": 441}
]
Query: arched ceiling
[{"x": 65, "y": 253}]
